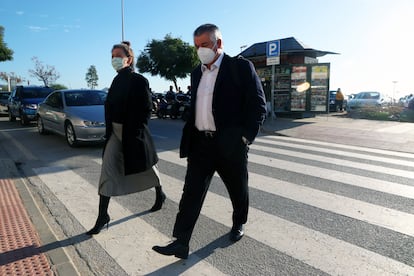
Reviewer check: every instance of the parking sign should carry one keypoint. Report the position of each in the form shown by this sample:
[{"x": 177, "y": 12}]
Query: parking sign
[{"x": 273, "y": 52}]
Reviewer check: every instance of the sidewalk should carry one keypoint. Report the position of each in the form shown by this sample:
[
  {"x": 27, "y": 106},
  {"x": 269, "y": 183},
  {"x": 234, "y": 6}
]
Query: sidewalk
[
  {"x": 21, "y": 244},
  {"x": 21, "y": 250}
]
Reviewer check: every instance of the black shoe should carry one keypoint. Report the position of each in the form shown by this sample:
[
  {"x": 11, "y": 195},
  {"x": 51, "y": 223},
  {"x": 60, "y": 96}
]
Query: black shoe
[
  {"x": 159, "y": 201},
  {"x": 100, "y": 223},
  {"x": 236, "y": 233},
  {"x": 175, "y": 248}
]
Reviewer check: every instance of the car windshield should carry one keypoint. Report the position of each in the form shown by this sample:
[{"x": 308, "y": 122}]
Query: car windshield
[
  {"x": 36, "y": 92},
  {"x": 368, "y": 95},
  {"x": 83, "y": 98}
]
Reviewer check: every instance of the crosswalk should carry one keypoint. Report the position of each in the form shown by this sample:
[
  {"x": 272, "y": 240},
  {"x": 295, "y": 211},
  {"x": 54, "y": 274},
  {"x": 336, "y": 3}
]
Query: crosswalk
[{"x": 316, "y": 209}]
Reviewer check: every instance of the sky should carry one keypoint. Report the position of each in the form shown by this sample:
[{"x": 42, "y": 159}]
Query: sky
[{"x": 374, "y": 38}]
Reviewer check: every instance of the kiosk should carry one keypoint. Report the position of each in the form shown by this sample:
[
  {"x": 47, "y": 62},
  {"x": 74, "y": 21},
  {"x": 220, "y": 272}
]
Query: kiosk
[{"x": 293, "y": 65}]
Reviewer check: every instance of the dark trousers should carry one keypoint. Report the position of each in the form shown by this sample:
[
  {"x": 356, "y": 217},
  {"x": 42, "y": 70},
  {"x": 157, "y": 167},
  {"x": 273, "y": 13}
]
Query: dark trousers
[
  {"x": 339, "y": 105},
  {"x": 204, "y": 160}
]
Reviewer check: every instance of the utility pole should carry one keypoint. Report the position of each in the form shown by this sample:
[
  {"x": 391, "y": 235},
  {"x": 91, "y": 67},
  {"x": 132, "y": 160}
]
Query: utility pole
[
  {"x": 393, "y": 91},
  {"x": 122, "y": 13}
]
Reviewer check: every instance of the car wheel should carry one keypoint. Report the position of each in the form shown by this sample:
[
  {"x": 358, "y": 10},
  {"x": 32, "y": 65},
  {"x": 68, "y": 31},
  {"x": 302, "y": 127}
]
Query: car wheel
[
  {"x": 70, "y": 135},
  {"x": 11, "y": 117},
  {"x": 40, "y": 126}
]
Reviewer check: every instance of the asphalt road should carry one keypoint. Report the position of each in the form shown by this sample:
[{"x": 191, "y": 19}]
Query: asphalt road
[{"x": 316, "y": 208}]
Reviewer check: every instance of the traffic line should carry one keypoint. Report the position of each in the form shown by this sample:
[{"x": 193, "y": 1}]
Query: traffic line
[
  {"x": 377, "y": 215},
  {"x": 336, "y": 176},
  {"x": 319, "y": 250},
  {"x": 17, "y": 129},
  {"x": 129, "y": 243},
  {"x": 318, "y": 146},
  {"x": 306, "y": 245},
  {"x": 337, "y": 161}
]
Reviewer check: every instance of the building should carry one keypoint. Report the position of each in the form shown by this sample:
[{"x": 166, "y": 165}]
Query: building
[{"x": 298, "y": 65}]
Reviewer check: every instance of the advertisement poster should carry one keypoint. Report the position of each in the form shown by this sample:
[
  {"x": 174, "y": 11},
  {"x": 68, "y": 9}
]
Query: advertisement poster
[
  {"x": 298, "y": 99},
  {"x": 319, "y": 87},
  {"x": 282, "y": 89}
]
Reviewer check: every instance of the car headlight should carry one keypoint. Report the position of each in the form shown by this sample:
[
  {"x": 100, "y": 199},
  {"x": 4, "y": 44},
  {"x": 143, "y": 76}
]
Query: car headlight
[
  {"x": 30, "y": 106},
  {"x": 93, "y": 124}
]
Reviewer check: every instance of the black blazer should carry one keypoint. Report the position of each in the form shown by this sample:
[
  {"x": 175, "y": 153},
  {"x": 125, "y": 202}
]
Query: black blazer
[
  {"x": 239, "y": 105},
  {"x": 137, "y": 143}
]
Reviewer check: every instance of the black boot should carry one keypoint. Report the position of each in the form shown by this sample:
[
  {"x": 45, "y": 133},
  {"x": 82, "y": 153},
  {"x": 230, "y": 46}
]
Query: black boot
[
  {"x": 103, "y": 217},
  {"x": 159, "y": 200}
]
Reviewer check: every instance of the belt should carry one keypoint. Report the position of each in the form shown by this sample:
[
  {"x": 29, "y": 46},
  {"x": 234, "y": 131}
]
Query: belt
[{"x": 208, "y": 133}]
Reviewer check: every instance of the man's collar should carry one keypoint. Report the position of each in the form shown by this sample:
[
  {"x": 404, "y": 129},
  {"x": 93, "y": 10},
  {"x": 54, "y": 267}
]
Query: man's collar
[{"x": 215, "y": 65}]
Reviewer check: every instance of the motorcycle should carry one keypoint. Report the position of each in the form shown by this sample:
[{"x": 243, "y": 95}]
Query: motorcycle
[
  {"x": 164, "y": 108},
  {"x": 177, "y": 108}
]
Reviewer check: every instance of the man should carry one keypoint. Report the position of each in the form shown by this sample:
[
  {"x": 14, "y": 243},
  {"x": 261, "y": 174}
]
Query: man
[
  {"x": 188, "y": 93},
  {"x": 339, "y": 100},
  {"x": 170, "y": 95},
  {"x": 227, "y": 108}
]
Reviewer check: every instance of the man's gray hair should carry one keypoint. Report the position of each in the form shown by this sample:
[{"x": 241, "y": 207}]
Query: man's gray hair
[{"x": 212, "y": 29}]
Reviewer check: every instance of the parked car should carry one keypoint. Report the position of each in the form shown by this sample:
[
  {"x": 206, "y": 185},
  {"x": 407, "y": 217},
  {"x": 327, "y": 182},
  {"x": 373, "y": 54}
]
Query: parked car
[
  {"x": 405, "y": 101},
  {"x": 76, "y": 114},
  {"x": 366, "y": 99},
  {"x": 4, "y": 98},
  {"x": 24, "y": 100},
  {"x": 332, "y": 95},
  {"x": 407, "y": 115}
]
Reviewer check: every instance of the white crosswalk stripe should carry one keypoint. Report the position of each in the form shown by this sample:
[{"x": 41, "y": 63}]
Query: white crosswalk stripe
[
  {"x": 343, "y": 150},
  {"x": 381, "y": 216},
  {"x": 130, "y": 242},
  {"x": 347, "y": 178},
  {"x": 339, "y": 162}
]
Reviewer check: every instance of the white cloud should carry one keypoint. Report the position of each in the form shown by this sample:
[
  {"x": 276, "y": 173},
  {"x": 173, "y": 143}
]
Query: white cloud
[
  {"x": 37, "y": 28},
  {"x": 71, "y": 26}
]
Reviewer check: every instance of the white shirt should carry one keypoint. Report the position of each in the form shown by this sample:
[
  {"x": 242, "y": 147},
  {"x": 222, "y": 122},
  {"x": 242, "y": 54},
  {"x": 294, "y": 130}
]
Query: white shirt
[{"x": 204, "y": 119}]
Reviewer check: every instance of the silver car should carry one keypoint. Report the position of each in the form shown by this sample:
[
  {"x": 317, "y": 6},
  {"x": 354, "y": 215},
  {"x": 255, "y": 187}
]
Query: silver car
[
  {"x": 76, "y": 114},
  {"x": 366, "y": 99}
]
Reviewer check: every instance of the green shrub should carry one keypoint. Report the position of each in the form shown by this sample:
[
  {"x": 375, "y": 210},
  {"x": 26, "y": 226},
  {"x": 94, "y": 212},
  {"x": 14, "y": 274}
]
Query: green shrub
[{"x": 387, "y": 113}]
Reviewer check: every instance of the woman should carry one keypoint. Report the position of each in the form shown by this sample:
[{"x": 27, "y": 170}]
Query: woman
[{"x": 129, "y": 157}]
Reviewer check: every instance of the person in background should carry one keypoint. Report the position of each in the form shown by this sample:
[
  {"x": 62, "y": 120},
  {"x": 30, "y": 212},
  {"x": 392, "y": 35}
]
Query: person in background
[
  {"x": 339, "y": 100},
  {"x": 217, "y": 135},
  {"x": 170, "y": 95},
  {"x": 129, "y": 158},
  {"x": 188, "y": 93}
]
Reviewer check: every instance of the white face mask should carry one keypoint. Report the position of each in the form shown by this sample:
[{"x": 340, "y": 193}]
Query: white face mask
[
  {"x": 119, "y": 63},
  {"x": 206, "y": 55}
]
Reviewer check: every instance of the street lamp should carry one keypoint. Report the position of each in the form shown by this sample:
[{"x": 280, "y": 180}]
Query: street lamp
[
  {"x": 122, "y": 14},
  {"x": 242, "y": 47},
  {"x": 393, "y": 91}
]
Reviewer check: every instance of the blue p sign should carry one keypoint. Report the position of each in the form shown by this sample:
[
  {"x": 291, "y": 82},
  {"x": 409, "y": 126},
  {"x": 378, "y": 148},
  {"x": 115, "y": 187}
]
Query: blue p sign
[{"x": 273, "y": 48}]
